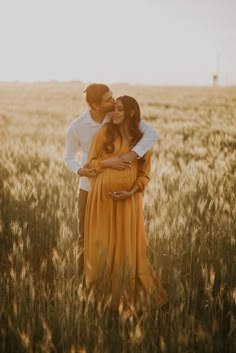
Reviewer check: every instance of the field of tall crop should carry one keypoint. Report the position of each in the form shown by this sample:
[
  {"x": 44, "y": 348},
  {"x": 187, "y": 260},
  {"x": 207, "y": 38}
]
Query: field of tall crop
[{"x": 190, "y": 215}]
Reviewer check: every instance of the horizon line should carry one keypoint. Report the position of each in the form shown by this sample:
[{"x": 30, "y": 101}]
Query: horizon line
[{"x": 116, "y": 83}]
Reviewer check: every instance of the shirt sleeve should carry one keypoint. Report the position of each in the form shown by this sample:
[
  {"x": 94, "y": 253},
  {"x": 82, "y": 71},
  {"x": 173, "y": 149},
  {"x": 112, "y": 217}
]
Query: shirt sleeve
[
  {"x": 147, "y": 141},
  {"x": 96, "y": 150},
  {"x": 72, "y": 148}
]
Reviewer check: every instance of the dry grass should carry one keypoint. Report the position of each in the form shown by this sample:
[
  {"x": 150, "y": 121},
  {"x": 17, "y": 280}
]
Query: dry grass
[{"x": 190, "y": 210}]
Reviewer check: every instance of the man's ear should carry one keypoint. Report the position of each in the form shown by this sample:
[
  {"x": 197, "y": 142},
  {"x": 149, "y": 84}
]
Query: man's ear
[{"x": 94, "y": 106}]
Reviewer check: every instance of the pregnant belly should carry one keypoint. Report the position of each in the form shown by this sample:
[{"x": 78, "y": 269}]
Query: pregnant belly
[{"x": 118, "y": 180}]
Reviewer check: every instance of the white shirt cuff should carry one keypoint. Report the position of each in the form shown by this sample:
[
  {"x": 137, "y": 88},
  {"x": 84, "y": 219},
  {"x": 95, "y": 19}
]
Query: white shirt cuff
[
  {"x": 73, "y": 165},
  {"x": 140, "y": 152}
]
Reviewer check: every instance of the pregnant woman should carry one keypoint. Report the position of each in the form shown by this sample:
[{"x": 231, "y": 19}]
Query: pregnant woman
[{"x": 116, "y": 265}]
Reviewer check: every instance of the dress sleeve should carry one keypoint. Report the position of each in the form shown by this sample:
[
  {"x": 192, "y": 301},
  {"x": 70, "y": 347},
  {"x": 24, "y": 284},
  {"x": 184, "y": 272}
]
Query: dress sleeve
[
  {"x": 144, "y": 168},
  {"x": 96, "y": 149}
]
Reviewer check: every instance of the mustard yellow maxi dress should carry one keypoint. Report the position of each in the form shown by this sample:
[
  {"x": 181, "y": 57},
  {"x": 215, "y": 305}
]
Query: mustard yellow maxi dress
[{"x": 116, "y": 264}]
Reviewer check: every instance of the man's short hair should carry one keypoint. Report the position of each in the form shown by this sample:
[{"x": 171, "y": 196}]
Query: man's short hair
[{"x": 94, "y": 93}]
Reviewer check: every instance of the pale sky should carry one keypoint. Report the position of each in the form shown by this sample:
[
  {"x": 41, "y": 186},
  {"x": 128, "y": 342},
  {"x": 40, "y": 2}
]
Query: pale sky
[{"x": 180, "y": 42}]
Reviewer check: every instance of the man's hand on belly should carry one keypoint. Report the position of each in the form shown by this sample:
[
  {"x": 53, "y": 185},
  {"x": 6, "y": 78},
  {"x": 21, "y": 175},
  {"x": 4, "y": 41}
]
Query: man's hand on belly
[
  {"x": 115, "y": 163},
  {"x": 129, "y": 156}
]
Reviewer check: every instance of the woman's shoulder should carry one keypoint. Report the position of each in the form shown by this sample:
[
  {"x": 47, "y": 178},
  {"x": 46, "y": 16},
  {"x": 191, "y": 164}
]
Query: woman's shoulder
[
  {"x": 105, "y": 125},
  {"x": 103, "y": 129},
  {"x": 101, "y": 132}
]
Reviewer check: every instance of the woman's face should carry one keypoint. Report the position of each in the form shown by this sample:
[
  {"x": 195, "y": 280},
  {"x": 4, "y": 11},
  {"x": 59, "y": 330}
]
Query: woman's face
[{"x": 118, "y": 115}]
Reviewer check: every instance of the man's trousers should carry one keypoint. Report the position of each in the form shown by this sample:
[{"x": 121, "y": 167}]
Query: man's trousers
[{"x": 83, "y": 195}]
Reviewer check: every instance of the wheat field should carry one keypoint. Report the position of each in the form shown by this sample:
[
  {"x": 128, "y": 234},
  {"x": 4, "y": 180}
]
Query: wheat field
[{"x": 190, "y": 215}]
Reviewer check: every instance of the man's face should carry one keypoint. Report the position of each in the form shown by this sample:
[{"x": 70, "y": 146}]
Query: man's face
[{"x": 107, "y": 103}]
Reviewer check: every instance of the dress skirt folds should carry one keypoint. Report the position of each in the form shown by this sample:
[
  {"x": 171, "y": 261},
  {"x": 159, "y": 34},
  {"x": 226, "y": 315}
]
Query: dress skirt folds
[{"x": 116, "y": 264}]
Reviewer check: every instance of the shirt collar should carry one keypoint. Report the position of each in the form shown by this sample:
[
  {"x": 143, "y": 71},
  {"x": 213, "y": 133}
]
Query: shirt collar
[{"x": 88, "y": 120}]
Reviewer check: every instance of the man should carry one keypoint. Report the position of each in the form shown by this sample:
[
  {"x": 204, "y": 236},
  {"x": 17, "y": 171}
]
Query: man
[{"x": 79, "y": 138}]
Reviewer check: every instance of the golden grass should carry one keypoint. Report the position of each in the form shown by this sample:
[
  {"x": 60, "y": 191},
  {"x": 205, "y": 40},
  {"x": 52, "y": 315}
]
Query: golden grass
[{"x": 190, "y": 213}]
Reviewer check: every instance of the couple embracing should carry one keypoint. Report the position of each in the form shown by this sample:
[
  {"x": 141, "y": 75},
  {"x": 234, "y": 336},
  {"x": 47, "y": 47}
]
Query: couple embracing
[{"x": 114, "y": 166}]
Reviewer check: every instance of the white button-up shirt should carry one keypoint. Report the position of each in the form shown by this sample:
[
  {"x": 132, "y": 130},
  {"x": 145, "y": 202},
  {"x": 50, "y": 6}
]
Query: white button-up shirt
[{"x": 79, "y": 137}]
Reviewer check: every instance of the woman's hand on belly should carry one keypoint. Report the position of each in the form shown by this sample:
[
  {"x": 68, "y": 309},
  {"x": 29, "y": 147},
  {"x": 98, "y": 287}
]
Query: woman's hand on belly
[
  {"x": 120, "y": 195},
  {"x": 123, "y": 195}
]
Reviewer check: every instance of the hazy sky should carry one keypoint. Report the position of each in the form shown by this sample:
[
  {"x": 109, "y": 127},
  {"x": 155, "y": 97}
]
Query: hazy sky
[{"x": 137, "y": 41}]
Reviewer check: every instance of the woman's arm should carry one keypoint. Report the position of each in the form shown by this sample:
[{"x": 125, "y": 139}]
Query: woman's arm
[
  {"x": 143, "y": 146},
  {"x": 96, "y": 159}
]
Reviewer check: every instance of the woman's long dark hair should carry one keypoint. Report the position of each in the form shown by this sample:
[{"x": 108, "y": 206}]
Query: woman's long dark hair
[{"x": 132, "y": 118}]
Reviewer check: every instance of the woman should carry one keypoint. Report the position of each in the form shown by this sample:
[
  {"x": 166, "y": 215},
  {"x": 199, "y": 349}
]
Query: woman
[{"x": 116, "y": 264}]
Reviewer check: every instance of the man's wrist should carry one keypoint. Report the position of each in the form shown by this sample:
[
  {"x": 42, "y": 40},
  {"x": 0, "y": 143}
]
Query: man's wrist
[
  {"x": 133, "y": 154},
  {"x": 129, "y": 156}
]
